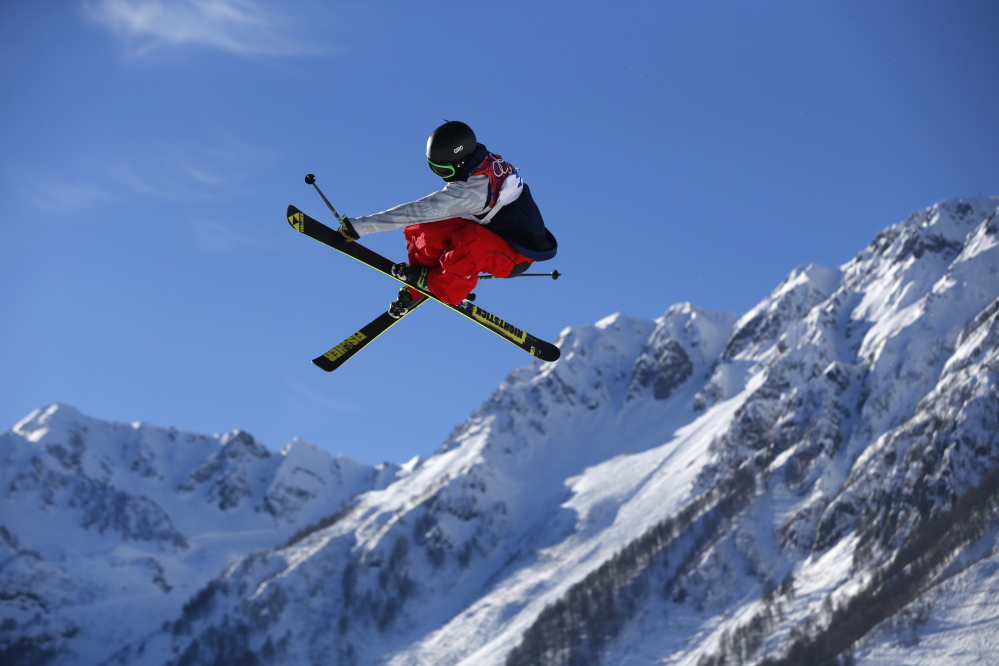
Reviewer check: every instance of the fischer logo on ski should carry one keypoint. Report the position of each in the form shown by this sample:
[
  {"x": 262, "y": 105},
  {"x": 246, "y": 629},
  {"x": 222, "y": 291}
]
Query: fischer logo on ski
[
  {"x": 346, "y": 346},
  {"x": 345, "y": 351}
]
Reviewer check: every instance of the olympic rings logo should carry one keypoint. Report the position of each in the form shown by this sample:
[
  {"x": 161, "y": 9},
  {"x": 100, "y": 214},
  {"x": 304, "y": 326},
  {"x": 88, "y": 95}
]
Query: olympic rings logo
[{"x": 500, "y": 167}]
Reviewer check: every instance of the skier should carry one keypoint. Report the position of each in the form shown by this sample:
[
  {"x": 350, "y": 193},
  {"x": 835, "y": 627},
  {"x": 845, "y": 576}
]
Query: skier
[{"x": 484, "y": 220}]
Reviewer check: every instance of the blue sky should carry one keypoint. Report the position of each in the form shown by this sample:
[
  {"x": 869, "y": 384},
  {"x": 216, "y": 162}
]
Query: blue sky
[{"x": 680, "y": 151}]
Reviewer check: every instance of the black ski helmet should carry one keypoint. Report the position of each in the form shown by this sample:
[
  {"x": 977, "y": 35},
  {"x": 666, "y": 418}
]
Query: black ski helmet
[{"x": 448, "y": 146}]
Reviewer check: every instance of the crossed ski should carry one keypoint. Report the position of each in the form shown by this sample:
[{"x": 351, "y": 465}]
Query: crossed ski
[{"x": 342, "y": 352}]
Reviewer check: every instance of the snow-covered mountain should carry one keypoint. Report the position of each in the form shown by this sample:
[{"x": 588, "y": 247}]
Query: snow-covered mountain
[
  {"x": 815, "y": 479},
  {"x": 107, "y": 529}
]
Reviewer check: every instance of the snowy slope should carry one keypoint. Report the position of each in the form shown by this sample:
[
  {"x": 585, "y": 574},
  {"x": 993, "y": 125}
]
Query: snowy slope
[
  {"x": 817, "y": 477},
  {"x": 107, "y": 529}
]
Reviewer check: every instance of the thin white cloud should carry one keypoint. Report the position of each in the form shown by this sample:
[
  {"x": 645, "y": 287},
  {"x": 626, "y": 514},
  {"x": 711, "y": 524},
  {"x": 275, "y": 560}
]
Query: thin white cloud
[
  {"x": 186, "y": 172},
  {"x": 196, "y": 172},
  {"x": 55, "y": 194},
  {"x": 242, "y": 27},
  {"x": 224, "y": 236}
]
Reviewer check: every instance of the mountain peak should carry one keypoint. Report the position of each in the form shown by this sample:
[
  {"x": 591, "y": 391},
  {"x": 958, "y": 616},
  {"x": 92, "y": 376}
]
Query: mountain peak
[
  {"x": 54, "y": 416},
  {"x": 956, "y": 216},
  {"x": 706, "y": 488}
]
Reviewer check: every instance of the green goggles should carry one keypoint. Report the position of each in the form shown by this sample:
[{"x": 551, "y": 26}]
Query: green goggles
[{"x": 442, "y": 170}]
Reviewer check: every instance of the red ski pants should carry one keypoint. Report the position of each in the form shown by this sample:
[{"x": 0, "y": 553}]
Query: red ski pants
[{"x": 457, "y": 250}]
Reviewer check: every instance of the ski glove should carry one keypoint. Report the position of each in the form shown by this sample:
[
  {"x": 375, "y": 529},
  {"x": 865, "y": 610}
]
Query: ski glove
[{"x": 347, "y": 229}]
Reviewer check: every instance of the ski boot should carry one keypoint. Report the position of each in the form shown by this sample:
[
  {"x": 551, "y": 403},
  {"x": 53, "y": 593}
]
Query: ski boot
[
  {"x": 414, "y": 275},
  {"x": 403, "y": 303},
  {"x": 417, "y": 276}
]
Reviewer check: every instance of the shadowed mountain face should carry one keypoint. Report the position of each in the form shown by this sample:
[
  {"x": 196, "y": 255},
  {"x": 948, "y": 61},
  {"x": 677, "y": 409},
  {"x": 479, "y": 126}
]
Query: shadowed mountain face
[{"x": 815, "y": 479}]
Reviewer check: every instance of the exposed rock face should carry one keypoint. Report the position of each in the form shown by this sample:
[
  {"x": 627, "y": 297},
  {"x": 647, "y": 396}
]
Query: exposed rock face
[
  {"x": 100, "y": 518},
  {"x": 817, "y": 476}
]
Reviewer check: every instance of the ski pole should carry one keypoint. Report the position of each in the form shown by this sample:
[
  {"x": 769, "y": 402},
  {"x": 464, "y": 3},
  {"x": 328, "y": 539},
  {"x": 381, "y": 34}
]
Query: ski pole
[
  {"x": 310, "y": 179},
  {"x": 553, "y": 275}
]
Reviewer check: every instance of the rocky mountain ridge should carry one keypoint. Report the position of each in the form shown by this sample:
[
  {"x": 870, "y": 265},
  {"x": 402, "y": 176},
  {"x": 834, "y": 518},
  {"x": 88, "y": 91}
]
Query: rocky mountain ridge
[
  {"x": 813, "y": 481},
  {"x": 103, "y": 519}
]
